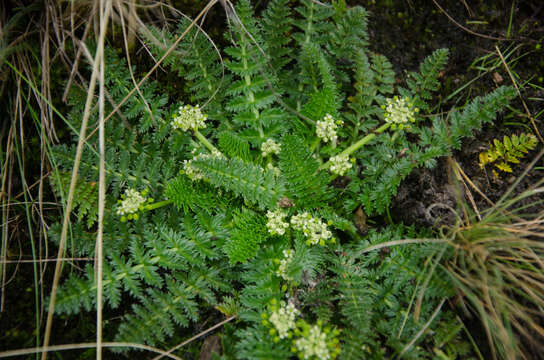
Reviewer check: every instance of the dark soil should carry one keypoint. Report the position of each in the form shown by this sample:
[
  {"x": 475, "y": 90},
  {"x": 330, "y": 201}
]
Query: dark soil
[{"x": 408, "y": 31}]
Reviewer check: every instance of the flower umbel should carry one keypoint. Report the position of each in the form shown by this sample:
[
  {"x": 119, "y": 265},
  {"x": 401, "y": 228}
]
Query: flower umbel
[
  {"x": 192, "y": 172},
  {"x": 283, "y": 319},
  {"x": 282, "y": 271},
  {"x": 275, "y": 170},
  {"x": 316, "y": 342},
  {"x": 314, "y": 229},
  {"x": 270, "y": 147},
  {"x": 275, "y": 224},
  {"x": 189, "y": 117},
  {"x": 132, "y": 203},
  {"x": 340, "y": 164},
  {"x": 398, "y": 112},
  {"x": 326, "y": 128}
]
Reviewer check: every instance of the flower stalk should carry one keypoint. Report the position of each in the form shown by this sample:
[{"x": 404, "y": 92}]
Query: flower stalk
[
  {"x": 158, "y": 205},
  {"x": 356, "y": 146},
  {"x": 205, "y": 142}
]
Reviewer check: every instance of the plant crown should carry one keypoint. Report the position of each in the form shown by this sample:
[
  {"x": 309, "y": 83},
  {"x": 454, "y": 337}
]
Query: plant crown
[{"x": 257, "y": 174}]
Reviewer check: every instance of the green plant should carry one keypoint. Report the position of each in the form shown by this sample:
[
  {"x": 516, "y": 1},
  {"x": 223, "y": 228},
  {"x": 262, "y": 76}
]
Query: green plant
[
  {"x": 510, "y": 150},
  {"x": 87, "y": 195},
  {"x": 257, "y": 191}
]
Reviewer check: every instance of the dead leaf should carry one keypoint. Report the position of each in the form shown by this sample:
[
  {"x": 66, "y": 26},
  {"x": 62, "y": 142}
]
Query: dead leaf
[
  {"x": 285, "y": 202},
  {"x": 359, "y": 220},
  {"x": 212, "y": 344},
  {"x": 497, "y": 77}
]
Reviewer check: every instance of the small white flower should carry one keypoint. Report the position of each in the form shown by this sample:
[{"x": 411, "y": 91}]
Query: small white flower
[
  {"x": 315, "y": 230},
  {"x": 274, "y": 169},
  {"x": 189, "y": 117},
  {"x": 314, "y": 344},
  {"x": 399, "y": 112},
  {"x": 282, "y": 271},
  {"x": 275, "y": 224},
  {"x": 131, "y": 203},
  {"x": 217, "y": 154},
  {"x": 270, "y": 147},
  {"x": 192, "y": 172},
  {"x": 283, "y": 319},
  {"x": 326, "y": 128},
  {"x": 340, "y": 164}
]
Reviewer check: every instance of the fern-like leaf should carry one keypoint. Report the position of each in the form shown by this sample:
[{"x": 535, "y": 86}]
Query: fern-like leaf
[
  {"x": 233, "y": 145},
  {"x": 248, "y": 232},
  {"x": 159, "y": 312},
  {"x": 314, "y": 25},
  {"x": 350, "y": 35},
  {"x": 510, "y": 150},
  {"x": 426, "y": 81},
  {"x": 250, "y": 181},
  {"x": 383, "y": 74},
  {"x": 307, "y": 187},
  {"x": 186, "y": 194},
  {"x": 276, "y": 25},
  {"x": 478, "y": 112},
  {"x": 85, "y": 200}
]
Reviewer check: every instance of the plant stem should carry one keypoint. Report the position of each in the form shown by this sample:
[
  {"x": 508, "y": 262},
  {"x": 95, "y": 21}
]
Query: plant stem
[
  {"x": 316, "y": 142},
  {"x": 158, "y": 205},
  {"x": 389, "y": 216},
  {"x": 356, "y": 146},
  {"x": 205, "y": 141}
]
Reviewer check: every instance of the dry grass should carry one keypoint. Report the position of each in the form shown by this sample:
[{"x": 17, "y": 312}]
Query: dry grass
[
  {"x": 498, "y": 269},
  {"x": 27, "y": 79}
]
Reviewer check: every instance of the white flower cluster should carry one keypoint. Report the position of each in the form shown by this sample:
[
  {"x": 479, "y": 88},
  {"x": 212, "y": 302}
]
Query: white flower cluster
[
  {"x": 340, "y": 164},
  {"x": 275, "y": 224},
  {"x": 283, "y": 319},
  {"x": 288, "y": 256},
  {"x": 326, "y": 128},
  {"x": 274, "y": 169},
  {"x": 132, "y": 202},
  {"x": 189, "y": 117},
  {"x": 399, "y": 112},
  {"x": 314, "y": 344},
  {"x": 192, "y": 172},
  {"x": 315, "y": 230},
  {"x": 270, "y": 147}
]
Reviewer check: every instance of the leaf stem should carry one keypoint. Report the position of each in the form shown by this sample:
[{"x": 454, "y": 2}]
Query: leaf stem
[
  {"x": 158, "y": 205},
  {"x": 356, "y": 146},
  {"x": 315, "y": 143},
  {"x": 205, "y": 141}
]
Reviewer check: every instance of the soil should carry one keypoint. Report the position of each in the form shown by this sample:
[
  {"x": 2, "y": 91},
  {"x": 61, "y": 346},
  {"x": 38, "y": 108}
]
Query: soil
[{"x": 408, "y": 31}]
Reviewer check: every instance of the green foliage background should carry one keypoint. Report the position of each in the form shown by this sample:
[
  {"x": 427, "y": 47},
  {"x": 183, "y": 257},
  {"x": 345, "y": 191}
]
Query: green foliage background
[{"x": 284, "y": 70}]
